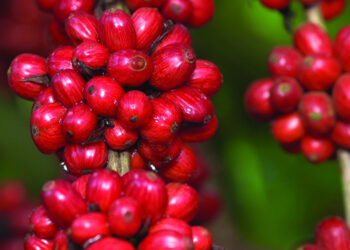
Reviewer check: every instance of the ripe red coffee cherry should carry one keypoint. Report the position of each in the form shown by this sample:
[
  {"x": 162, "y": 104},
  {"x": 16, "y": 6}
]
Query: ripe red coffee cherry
[
  {"x": 92, "y": 54},
  {"x": 166, "y": 239},
  {"x": 145, "y": 186},
  {"x": 202, "y": 238},
  {"x": 32, "y": 242},
  {"x": 102, "y": 94},
  {"x": 195, "y": 106},
  {"x": 341, "y": 134},
  {"x": 68, "y": 87},
  {"x": 342, "y": 47},
  {"x": 341, "y": 97},
  {"x": 178, "y": 10},
  {"x": 45, "y": 125},
  {"x": 311, "y": 247},
  {"x": 284, "y": 61},
  {"x": 173, "y": 66},
  {"x": 58, "y": 33},
  {"x": 148, "y": 23},
  {"x": 200, "y": 176},
  {"x": 79, "y": 123},
  {"x": 79, "y": 185},
  {"x": 46, "y": 5},
  {"x": 81, "y": 27},
  {"x": 319, "y": 72},
  {"x": 125, "y": 217},
  {"x": 136, "y": 160},
  {"x": 46, "y": 96},
  {"x": 257, "y": 99},
  {"x": 202, "y": 12},
  {"x": 275, "y": 4},
  {"x": 333, "y": 233},
  {"x": 312, "y": 39},
  {"x": 165, "y": 122},
  {"x": 116, "y": 30},
  {"x": 182, "y": 201},
  {"x": 63, "y": 8},
  {"x": 135, "y": 4},
  {"x": 199, "y": 133},
  {"x": 288, "y": 128},
  {"x": 88, "y": 226},
  {"x": 120, "y": 137},
  {"x": 109, "y": 243},
  {"x": 317, "y": 112},
  {"x": 285, "y": 93},
  {"x": 332, "y": 8},
  {"x": 182, "y": 168},
  {"x": 22, "y": 69},
  {"x": 89, "y": 157},
  {"x": 12, "y": 195},
  {"x": 59, "y": 59},
  {"x": 206, "y": 77},
  {"x": 172, "y": 224},
  {"x": 134, "y": 109},
  {"x": 62, "y": 202},
  {"x": 209, "y": 207},
  {"x": 41, "y": 224},
  {"x": 317, "y": 150},
  {"x": 60, "y": 241},
  {"x": 103, "y": 188},
  {"x": 130, "y": 67}
]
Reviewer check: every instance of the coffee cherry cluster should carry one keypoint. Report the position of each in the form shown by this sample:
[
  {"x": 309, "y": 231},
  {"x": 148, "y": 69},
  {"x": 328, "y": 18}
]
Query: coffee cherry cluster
[
  {"x": 331, "y": 234},
  {"x": 308, "y": 96},
  {"x": 105, "y": 211},
  {"x": 130, "y": 83}
]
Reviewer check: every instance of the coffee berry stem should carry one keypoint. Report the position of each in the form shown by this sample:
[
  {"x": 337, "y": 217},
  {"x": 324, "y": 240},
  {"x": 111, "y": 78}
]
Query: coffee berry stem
[
  {"x": 314, "y": 15},
  {"x": 119, "y": 162}
]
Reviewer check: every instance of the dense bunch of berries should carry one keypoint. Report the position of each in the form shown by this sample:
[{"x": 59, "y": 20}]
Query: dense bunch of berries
[
  {"x": 308, "y": 96},
  {"x": 105, "y": 211}
]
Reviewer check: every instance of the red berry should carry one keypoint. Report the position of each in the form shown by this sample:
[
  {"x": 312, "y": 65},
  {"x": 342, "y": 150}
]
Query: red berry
[
  {"x": 209, "y": 206},
  {"x": 173, "y": 66},
  {"x": 284, "y": 61},
  {"x": 136, "y": 4},
  {"x": 136, "y": 160},
  {"x": 12, "y": 195},
  {"x": 59, "y": 59},
  {"x": 120, "y": 137},
  {"x": 46, "y": 96},
  {"x": 88, "y": 226},
  {"x": 332, "y": 8},
  {"x": 202, "y": 12},
  {"x": 79, "y": 185},
  {"x": 79, "y": 123},
  {"x": 275, "y": 4},
  {"x": 288, "y": 128},
  {"x": 202, "y": 238},
  {"x": 200, "y": 176},
  {"x": 124, "y": 217},
  {"x": 103, "y": 188},
  {"x": 166, "y": 240},
  {"x": 62, "y": 202},
  {"x": 89, "y": 157},
  {"x": 341, "y": 134},
  {"x": 199, "y": 133},
  {"x": 148, "y": 23},
  {"x": 109, "y": 243},
  {"x": 60, "y": 241},
  {"x": 102, "y": 94},
  {"x": 317, "y": 150},
  {"x": 342, "y": 47},
  {"x": 172, "y": 224},
  {"x": 23, "y": 67},
  {"x": 165, "y": 122},
  {"x": 45, "y": 125},
  {"x": 91, "y": 54},
  {"x": 130, "y": 67},
  {"x": 63, "y": 8},
  {"x": 46, "y": 5},
  {"x": 311, "y": 247},
  {"x": 312, "y": 39},
  {"x": 68, "y": 87},
  {"x": 116, "y": 30},
  {"x": 178, "y": 10},
  {"x": 291, "y": 148},
  {"x": 58, "y": 33},
  {"x": 341, "y": 97},
  {"x": 81, "y": 27},
  {"x": 41, "y": 223},
  {"x": 32, "y": 242}
]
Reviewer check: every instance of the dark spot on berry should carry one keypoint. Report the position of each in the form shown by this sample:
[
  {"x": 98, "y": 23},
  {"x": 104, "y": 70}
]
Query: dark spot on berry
[
  {"x": 273, "y": 58},
  {"x": 128, "y": 217},
  {"x": 308, "y": 61},
  {"x": 174, "y": 127},
  {"x": 128, "y": 143},
  {"x": 93, "y": 207},
  {"x": 91, "y": 89},
  {"x": 138, "y": 63},
  {"x": 35, "y": 131},
  {"x": 175, "y": 8},
  {"x": 313, "y": 158},
  {"x": 134, "y": 119},
  {"x": 284, "y": 88},
  {"x": 151, "y": 176},
  {"x": 315, "y": 116},
  {"x": 9, "y": 71},
  {"x": 167, "y": 159},
  {"x": 36, "y": 106},
  {"x": 49, "y": 186},
  {"x": 189, "y": 56},
  {"x": 70, "y": 134},
  {"x": 207, "y": 119}
]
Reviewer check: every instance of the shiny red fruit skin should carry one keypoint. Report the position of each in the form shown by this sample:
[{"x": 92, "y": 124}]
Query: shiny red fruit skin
[
  {"x": 202, "y": 238},
  {"x": 333, "y": 233},
  {"x": 125, "y": 217},
  {"x": 41, "y": 224},
  {"x": 79, "y": 123},
  {"x": 332, "y": 8},
  {"x": 182, "y": 168},
  {"x": 206, "y": 77},
  {"x": 317, "y": 112},
  {"x": 173, "y": 66},
  {"x": 32, "y": 242},
  {"x": 89, "y": 157},
  {"x": 58, "y": 34},
  {"x": 341, "y": 97},
  {"x": 312, "y": 39},
  {"x": 81, "y": 27},
  {"x": 63, "y": 8},
  {"x": 60, "y": 241},
  {"x": 88, "y": 226},
  {"x": 342, "y": 47},
  {"x": 148, "y": 23},
  {"x": 317, "y": 150},
  {"x": 22, "y": 67},
  {"x": 109, "y": 243},
  {"x": 45, "y": 126},
  {"x": 149, "y": 190},
  {"x": 202, "y": 12},
  {"x": 91, "y": 54},
  {"x": 62, "y": 202},
  {"x": 79, "y": 185},
  {"x": 136, "y": 4},
  {"x": 120, "y": 137},
  {"x": 284, "y": 61},
  {"x": 166, "y": 121},
  {"x": 130, "y": 67},
  {"x": 311, "y": 247},
  {"x": 341, "y": 134},
  {"x": 172, "y": 224},
  {"x": 46, "y": 5},
  {"x": 194, "y": 133},
  {"x": 59, "y": 59},
  {"x": 275, "y": 4},
  {"x": 166, "y": 239},
  {"x": 103, "y": 188},
  {"x": 136, "y": 160},
  {"x": 134, "y": 109},
  {"x": 46, "y": 96},
  {"x": 288, "y": 128},
  {"x": 68, "y": 87},
  {"x": 257, "y": 99},
  {"x": 177, "y": 10},
  {"x": 116, "y": 30},
  {"x": 319, "y": 72},
  {"x": 102, "y": 94}
]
